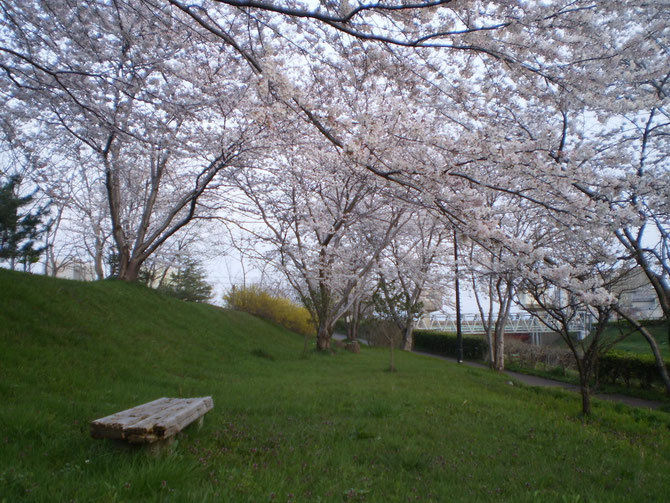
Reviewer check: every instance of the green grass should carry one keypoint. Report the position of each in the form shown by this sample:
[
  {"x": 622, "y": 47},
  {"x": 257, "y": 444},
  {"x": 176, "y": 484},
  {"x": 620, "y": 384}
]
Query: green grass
[
  {"x": 285, "y": 428},
  {"x": 655, "y": 393},
  {"x": 637, "y": 344}
]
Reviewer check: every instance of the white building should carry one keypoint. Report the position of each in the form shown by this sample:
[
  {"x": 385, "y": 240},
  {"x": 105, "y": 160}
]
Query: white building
[
  {"x": 637, "y": 296},
  {"x": 79, "y": 271}
]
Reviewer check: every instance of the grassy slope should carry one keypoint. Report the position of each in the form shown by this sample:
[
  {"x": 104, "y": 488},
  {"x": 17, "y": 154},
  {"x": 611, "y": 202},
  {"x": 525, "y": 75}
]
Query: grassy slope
[
  {"x": 635, "y": 343},
  {"x": 327, "y": 428}
]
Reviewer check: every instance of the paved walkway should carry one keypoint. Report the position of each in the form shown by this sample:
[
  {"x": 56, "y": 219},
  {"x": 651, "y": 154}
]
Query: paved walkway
[{"x": 548, "y": 383}]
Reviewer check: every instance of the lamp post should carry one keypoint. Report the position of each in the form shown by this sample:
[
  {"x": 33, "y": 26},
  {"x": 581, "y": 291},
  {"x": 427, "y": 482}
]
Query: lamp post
[{"x": 459, "y": 334}]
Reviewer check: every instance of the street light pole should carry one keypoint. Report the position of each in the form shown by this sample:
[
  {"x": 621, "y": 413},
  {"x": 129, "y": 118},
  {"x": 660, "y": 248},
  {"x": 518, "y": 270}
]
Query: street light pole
[{"x": 459, "y": 334}]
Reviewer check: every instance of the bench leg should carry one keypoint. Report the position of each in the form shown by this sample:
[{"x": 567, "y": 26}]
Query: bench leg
[
  {"x": 199, "y": 422},
  {"x": 161, "y": 446}
]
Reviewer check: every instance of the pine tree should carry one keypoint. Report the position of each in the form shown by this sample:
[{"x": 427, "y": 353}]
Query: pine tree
[
  {"x": 189, "y": 284},
  {"x": 20, "y": 228}
]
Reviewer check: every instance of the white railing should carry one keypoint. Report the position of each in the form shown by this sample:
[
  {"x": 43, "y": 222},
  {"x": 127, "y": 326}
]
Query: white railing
[{"x": 517, "y": 323}]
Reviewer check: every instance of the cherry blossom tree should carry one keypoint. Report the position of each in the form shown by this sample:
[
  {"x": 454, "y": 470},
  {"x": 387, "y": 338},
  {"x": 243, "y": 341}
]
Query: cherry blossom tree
[
  {"x": 163, "y": 117},
  {"x": 411, "y": 264},
  {"x": 324, "y": 225},
  {"x": 559, "y": 313},
  {"x": 573, "y": 286},
  {"x": 498, "y": 287}
]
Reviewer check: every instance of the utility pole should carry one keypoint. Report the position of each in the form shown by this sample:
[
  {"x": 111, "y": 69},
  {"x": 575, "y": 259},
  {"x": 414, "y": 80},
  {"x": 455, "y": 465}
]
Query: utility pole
[{"x": 459, "y": 333}]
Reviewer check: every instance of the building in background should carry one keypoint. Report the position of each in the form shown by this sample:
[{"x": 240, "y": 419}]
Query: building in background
[
  {"x": 637, "y": 296},
  {"x": 77, "y": 270}
]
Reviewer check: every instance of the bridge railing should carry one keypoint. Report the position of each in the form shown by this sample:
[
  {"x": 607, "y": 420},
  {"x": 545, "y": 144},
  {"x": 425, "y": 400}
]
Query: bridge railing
[{"x": 519, "y": 323}]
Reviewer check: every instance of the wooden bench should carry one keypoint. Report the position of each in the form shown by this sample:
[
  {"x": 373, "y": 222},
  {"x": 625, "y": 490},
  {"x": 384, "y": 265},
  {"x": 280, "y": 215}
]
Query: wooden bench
[{"x": 152, "y": 422}]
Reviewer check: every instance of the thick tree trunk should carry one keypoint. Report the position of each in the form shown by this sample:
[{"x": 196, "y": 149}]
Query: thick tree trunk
[
  {"x": 323, "y": 337},
  {"x": 129, "y": 270}
]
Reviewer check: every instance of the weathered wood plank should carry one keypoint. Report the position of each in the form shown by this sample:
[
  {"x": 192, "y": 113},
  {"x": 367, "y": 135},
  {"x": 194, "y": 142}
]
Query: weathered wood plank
[
  {"x": 113, "y": 426},
  {"x": 152, "y": 421}
]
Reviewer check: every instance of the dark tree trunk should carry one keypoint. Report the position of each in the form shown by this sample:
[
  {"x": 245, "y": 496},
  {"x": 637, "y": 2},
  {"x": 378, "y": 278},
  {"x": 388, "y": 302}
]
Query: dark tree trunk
[
  {"x": 499, "y": 338},
  {"x": 355, "y": 322},
  {"x": 586, "y": 399},
  {"x": 586, "y": 366},
  {"x": 408, "y": 335},
  {"x": 129, "y": 270}
]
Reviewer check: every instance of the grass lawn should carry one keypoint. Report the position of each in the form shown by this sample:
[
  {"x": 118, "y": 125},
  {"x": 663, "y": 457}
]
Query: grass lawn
[
  {"x": 285, "y": 428},
  {"x": 635, "y": 343}
]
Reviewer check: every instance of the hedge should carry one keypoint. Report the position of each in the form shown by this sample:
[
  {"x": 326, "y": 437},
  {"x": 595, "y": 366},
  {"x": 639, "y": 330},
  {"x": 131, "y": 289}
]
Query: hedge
[
  {"x": 645, "y": 323},
  {"x": 629, "y": 369},
  {"x": 446, "y": 344}
]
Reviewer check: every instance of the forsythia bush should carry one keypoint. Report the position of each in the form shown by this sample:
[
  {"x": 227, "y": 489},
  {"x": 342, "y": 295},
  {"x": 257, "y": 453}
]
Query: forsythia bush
[{"x": 259, "y": 302}]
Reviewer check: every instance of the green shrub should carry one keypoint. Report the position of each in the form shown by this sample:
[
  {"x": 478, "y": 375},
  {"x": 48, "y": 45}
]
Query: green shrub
[
  {"x": 259, "y": 302},
  {"x": 629, "y": 369},
  {"x": 624, "y": 324},
  {"x": 445, "y": 343}
]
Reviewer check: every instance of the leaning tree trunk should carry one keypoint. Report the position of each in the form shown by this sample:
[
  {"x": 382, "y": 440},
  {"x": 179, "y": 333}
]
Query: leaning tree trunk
[{"x": 658, "y": 357}]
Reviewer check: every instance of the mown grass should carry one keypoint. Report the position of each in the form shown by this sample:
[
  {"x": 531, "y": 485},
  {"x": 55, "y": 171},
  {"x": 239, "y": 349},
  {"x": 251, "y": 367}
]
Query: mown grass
[
  {"x": 636, "y": 343},
  {"x": 286, "y": 428}
]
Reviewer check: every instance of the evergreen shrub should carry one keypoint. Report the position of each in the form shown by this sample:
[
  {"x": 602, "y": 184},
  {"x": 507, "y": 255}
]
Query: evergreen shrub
[
  {"x": 624, "y": 324},
  {"x": 629, "y": 369},
  {"x": 446, "y": 344},
  {"x": 256, "y": 300}
]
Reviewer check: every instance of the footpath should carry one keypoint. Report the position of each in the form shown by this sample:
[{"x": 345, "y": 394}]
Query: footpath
[{"x": 549, "y": 383}]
